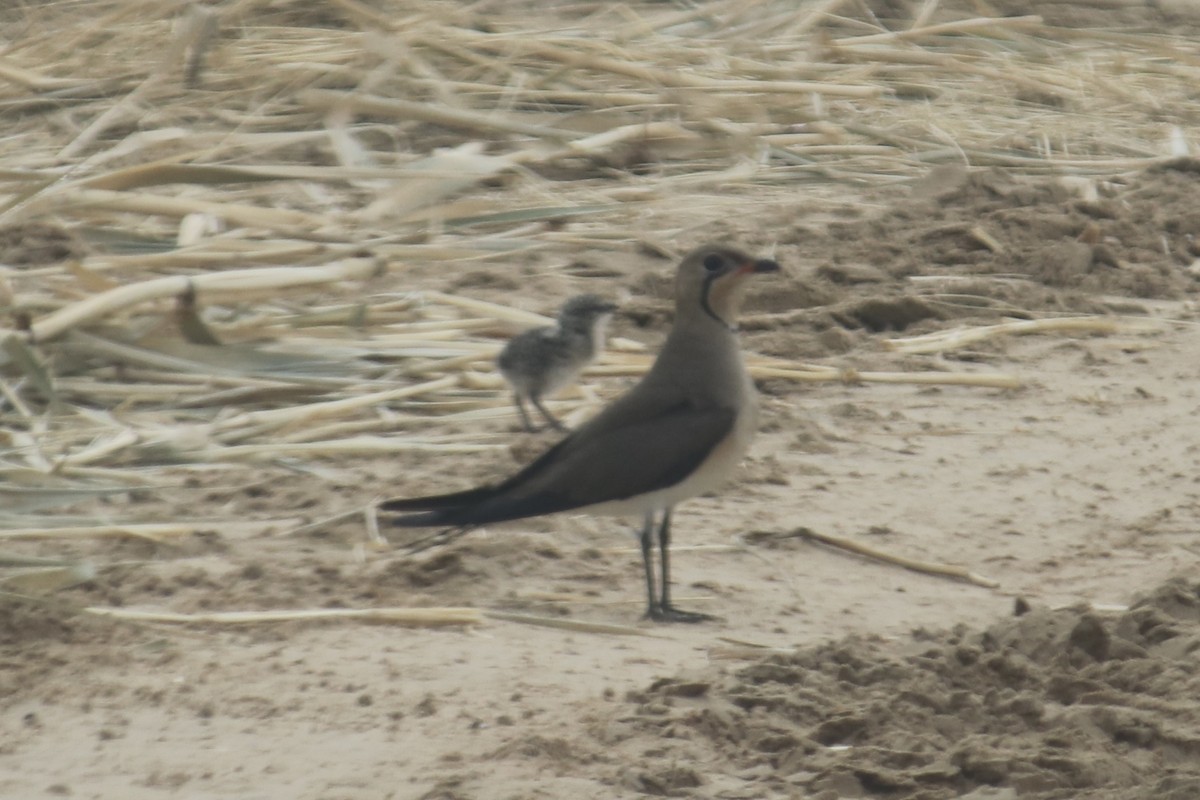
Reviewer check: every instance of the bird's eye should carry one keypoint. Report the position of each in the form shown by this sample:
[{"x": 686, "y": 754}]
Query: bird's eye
[{"x": 713, "y": 262}]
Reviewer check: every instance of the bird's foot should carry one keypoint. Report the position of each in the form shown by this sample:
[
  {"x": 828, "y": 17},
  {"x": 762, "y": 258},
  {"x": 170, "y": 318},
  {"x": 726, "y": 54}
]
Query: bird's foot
[
  {"x": 552, "y": 422},
  {"x": 442, "y": 537},
  {"x": 670, "y": 613}
]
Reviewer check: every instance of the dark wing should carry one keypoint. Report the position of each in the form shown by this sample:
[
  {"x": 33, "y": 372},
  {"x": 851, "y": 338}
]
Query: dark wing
[{"x": 631, "y": 448}]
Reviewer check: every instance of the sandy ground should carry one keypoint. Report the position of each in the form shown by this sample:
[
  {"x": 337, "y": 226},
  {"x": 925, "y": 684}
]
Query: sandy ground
[
  {"x": 826, "y": 675},
  {"x": 1076, "y": 493}
]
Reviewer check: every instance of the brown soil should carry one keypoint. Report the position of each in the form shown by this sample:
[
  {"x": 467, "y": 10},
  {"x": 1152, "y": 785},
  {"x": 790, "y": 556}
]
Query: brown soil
[{"x": 1051, "y": 703}]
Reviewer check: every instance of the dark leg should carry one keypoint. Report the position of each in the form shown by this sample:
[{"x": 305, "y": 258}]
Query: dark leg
[
  {"x": 554, "y": 423},
  {"x": 668, "y": 612},
  {"x": 648, "y": 563},
  {"x": 528, "y": 423}
]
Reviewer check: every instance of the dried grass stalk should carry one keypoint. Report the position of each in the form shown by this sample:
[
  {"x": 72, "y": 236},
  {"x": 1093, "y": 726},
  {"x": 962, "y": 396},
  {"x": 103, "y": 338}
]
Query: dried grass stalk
[
  {"x": 298, "y": 223},
  {"x": 975, "y": 25},
  {"x": 427, "y": 112},
  {"x": 578, "y": 58},
  {"x": 151, "y": 531},
  {"x": 158, "y": 532},
  {"x": 826, "y": 375},
  {"x": 354, "y": 445},
  {"x": 278, "y": 417},
  {"x": 233, "y": 281},
  {"x": 48, "y": 579},
  {"x": 764, "y": 368},
  {"x": 925, "y": 567},
  {"x": 942, "y": 341},
  {"x": 492, "y": 310},
  {"x": 579, "y": 626},
  {"x": 412, "y": 617}
]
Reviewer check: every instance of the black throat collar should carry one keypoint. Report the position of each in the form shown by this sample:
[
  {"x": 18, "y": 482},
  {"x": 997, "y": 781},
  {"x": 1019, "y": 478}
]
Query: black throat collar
[{"x": 704, "y": 290}]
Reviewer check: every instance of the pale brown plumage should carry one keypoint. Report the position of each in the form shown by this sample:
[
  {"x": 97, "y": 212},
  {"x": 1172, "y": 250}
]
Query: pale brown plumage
[{"x": 678, "y": 433}]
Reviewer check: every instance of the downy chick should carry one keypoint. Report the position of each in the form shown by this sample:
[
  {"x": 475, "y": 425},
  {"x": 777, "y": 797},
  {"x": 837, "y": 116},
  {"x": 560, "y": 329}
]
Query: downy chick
[{"x": 542, "y": 361}]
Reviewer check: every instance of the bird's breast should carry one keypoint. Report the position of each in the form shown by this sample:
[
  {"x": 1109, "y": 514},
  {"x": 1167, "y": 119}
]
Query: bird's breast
[{"x": 721, "y": 462}]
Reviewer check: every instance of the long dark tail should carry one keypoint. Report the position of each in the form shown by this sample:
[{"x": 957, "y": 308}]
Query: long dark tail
[
  {"x": 446, "y": 511},
  {"x": 437, "y": 506},
  {"x": 482, "y": 506}
]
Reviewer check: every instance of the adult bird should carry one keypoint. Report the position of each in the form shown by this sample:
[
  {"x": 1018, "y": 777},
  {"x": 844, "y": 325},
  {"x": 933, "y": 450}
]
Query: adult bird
[{"x": 678, "y": 433}]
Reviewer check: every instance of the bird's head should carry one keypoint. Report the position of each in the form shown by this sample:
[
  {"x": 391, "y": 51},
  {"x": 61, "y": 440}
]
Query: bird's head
[
  {"x": 584, "y": 312},
  {"x": 712, "y": 279}
]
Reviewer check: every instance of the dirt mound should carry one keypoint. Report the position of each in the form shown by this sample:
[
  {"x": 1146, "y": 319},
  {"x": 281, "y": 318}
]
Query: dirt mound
[
  {"x": 990, "y": 243},
  {"x": 1049, "y": 704}
]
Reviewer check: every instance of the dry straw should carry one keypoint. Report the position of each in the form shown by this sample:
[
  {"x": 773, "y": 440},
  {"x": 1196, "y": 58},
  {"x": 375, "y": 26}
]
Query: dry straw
[
  {"x": 952, "y": 571},
  {"x": 410, "y": 617},
  {"x": 415, "y": 617},
  {"x": 226, "y": 185}
]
